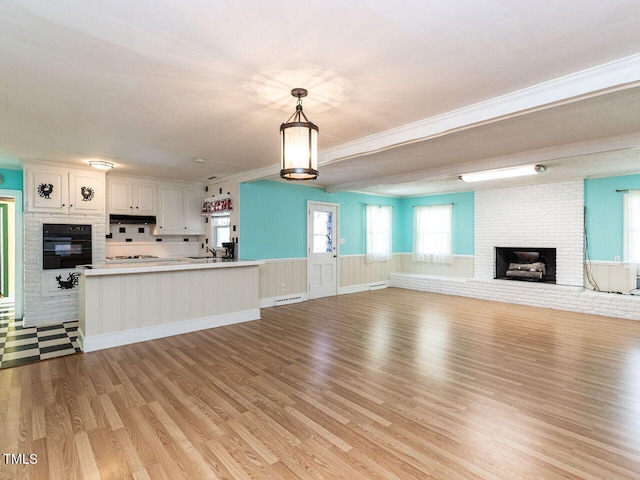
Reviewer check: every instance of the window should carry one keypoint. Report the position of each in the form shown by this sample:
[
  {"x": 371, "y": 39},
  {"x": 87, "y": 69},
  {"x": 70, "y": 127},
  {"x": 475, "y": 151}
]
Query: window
[
  {"x": 220, "y": 230},
  {"x": 322, "y": 232},
  {"x": 632, "y": 226},
  {"x": 432, "y": 233},
  {"x": 378, "y": 225}
]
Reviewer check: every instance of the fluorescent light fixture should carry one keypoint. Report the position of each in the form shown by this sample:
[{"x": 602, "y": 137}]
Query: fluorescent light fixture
[
  {"x": 502, "y": 173},
  {"x": 101, "y": 165}
]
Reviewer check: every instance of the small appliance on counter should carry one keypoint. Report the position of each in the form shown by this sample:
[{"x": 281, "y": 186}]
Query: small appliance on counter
[{"x": 229, "y": 250}]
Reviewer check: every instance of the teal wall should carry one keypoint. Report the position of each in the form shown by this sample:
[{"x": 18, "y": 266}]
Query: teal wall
[
  {"x": 273, "y": 220},
  {"x": 462, "y": 220},
  {"x": 604, "y": 222},
  {"x": 12, "y": 179}
]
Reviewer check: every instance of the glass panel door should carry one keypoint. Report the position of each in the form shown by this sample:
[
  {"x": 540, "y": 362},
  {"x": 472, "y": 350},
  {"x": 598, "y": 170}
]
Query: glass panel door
[{"x": 322, "y": 252}]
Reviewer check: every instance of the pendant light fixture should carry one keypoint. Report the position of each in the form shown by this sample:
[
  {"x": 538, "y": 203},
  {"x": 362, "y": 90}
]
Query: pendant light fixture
[{"x": 299, "y": 144}]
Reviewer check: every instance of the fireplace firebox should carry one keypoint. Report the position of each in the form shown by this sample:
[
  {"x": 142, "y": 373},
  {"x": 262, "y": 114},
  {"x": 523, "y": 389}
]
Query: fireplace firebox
[{"x": 526, "y": 264}]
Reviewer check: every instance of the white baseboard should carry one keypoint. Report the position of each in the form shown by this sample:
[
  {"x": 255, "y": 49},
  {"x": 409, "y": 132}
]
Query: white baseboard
[
  {"x": 303, "y": 297},
  {"x": 363, "y": 287},
  {"x": 116, "y": 339}
]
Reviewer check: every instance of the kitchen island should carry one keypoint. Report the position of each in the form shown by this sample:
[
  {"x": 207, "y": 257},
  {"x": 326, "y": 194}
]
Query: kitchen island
[{"x": 123, "y": 303}]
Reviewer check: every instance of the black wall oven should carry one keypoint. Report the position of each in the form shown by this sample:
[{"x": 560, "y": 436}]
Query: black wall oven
[{"x": 65, "y": 246}]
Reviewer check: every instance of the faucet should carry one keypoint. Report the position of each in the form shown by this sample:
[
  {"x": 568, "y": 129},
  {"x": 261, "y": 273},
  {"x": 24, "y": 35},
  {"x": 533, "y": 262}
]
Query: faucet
[{"x": 212, "y": 250}]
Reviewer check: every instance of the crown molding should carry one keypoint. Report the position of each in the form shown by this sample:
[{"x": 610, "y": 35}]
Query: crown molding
[{"x": 617, "y": 75}]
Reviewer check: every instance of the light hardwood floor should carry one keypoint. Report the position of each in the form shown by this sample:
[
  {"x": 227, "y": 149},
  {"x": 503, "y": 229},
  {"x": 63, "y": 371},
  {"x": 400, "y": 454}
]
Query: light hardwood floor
[{"x": 389, "y": 384}]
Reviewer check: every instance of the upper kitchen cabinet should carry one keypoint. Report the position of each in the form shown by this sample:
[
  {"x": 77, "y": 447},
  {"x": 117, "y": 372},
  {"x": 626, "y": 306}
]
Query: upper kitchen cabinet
[
  {"x": 179, "y": 211},
  {"x": 193, "y": 198},
  {"x": 62, "y": 190},
  {"x": 86, "y": 193},
  {"x": 131, "y": 197}
]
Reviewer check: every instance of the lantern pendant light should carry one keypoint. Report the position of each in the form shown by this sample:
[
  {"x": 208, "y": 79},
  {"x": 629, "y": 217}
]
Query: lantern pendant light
[{"x": 299, "y": 144}]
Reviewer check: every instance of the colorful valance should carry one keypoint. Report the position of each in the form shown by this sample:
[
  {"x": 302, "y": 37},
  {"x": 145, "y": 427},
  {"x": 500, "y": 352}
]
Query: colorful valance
[{"x": 217, "y": 205}]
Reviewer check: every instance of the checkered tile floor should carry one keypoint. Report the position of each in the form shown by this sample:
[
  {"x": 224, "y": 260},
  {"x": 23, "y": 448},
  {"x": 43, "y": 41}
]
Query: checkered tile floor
[{"x": 20, "y": 344}]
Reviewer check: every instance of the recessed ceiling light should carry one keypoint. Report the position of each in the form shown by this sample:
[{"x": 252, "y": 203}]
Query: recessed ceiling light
[
  {"x": 502, "y": 173},
  {"x": 199, "y": 160}
]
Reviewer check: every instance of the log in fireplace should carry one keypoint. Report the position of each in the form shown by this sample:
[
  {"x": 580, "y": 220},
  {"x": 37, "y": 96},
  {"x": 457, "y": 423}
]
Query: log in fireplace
[{"x": 526, "y": 263}]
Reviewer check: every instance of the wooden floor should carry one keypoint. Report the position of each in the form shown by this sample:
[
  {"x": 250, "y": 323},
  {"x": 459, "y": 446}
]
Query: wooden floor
[{"x": 389, "y": 384}]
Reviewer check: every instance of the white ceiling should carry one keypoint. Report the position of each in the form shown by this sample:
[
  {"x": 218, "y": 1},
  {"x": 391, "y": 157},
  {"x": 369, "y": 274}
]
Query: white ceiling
[{"x": 407, "y": 96}]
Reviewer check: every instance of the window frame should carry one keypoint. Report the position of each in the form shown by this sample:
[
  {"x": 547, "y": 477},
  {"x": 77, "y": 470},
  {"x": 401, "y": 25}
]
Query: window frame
[
  {"x": 434, "y": 245},
  {"x": 216, "y": 227},
  {"x": 378, "y": 233}
]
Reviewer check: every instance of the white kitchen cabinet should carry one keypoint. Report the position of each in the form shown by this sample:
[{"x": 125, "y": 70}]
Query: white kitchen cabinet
[
  {"x": 144, "y": 198},
  {"x": 130, "y": 197},
  {"x": 171, "y": 211},
  {"x": 86, "y": 193},
  {"x": 179, "y": 211},
  {"x": 193, "y": 198},
  {"x": 60, "y": 190}
]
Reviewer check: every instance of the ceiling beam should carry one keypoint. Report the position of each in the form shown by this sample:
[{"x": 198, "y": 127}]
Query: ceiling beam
[
  {"x": 535, "y": 156},
  {"x": 620, "y": 74}
]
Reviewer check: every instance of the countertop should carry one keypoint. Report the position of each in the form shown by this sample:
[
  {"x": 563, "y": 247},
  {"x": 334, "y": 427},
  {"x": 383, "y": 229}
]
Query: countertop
[{"x": 166, "y": 265}]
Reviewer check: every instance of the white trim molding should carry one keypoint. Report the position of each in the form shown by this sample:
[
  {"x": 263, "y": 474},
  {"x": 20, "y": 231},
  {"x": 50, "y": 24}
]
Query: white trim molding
[
  {"x": 606, "y": 78},
  {"x": 612, "y": 76}
]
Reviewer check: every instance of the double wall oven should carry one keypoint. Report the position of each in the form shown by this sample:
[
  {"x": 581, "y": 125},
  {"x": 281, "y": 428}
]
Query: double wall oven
[{"x": 65, "y": 245}]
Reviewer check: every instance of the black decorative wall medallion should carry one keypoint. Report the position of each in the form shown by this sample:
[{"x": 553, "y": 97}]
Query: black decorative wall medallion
[
  {"x": 45, "y": 190},
  {"x": 69, "y": 283},
  {"x": 87, "y": 194}
]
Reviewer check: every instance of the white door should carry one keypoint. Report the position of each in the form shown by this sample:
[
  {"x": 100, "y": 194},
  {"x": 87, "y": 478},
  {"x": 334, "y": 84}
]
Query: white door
[{"x": 322, "y": 253}]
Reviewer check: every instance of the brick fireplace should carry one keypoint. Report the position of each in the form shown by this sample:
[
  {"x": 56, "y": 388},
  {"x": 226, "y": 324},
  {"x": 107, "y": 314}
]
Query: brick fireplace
[
  {"x": 547, "y": 216},
  {"x": 526, "y": 264},
  {"x": 544, "y": 216}
]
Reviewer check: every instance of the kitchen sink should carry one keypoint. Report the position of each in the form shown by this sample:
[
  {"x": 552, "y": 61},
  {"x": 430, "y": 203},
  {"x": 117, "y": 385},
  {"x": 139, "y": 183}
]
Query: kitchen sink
[{"x": 208, "y": 259}]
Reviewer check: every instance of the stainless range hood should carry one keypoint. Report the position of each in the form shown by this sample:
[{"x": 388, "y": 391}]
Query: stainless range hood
[{"x": 132, "y": 219}]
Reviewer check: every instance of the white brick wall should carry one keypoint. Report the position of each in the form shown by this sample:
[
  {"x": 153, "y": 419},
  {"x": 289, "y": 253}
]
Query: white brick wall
[
  {"x": 574, "y": 299},
  {"x": 40, "y": 308},
  {"x": 548, "y": 215}
]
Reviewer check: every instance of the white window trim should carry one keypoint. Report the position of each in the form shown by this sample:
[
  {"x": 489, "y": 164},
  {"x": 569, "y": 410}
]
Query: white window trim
[
  {"x": 378, "y": 238},
  {"x": 631, "y": 235},
  {"x": 432, "y": 245}
]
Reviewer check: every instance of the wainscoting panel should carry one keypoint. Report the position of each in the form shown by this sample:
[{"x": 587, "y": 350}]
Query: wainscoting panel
[
  {"x": 609, "y": 277},
  {"x": 282, "y": 277},
  {"x": 460, "y": 266},
  {"x": 355, "y": 270},
  {"x": 285, "y": 280}
]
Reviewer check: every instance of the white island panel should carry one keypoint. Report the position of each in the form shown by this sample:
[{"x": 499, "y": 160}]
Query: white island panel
[{"x": 142, "y": 304}]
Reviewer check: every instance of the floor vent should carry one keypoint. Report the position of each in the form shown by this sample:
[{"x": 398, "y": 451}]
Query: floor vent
[
  {"x": 287, "y": 300},
  {"x": 377, "y": 286}
]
